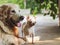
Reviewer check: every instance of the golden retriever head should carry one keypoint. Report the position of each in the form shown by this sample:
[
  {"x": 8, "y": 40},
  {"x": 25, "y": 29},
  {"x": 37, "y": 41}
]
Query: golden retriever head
[{"x": 10, "y": 14}]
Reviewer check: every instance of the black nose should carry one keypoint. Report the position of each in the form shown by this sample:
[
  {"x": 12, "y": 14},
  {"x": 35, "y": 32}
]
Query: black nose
[
  {"x": 12, "y": 44},
  {"x": 34, "y": 23},
  {"x": 21, "y": 18}
]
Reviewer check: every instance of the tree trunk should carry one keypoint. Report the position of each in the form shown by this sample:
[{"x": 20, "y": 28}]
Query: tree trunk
[
  {"x": 59, "y": 11},
  {"x": 24, "y": 4}
]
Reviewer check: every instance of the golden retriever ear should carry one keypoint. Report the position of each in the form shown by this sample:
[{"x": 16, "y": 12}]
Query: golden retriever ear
[
  {"x": 4, "y": 8},
  {"x": 4, "y": 11}
]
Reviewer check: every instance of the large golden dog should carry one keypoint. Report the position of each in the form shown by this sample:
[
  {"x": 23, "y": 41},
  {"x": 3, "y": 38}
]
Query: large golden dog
[{"x": 9, "y": 19}]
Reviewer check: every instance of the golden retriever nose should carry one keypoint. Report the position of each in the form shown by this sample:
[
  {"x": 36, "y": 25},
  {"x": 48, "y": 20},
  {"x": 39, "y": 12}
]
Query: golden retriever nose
[{"x": 21, "y": 18}]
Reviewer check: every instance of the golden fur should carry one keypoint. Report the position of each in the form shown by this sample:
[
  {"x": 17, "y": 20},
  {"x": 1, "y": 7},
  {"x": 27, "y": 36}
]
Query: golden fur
[{"x": 8, "y": 27}]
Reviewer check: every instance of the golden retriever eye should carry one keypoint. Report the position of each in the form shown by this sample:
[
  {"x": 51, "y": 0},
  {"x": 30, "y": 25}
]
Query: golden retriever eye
[{"x": 13, "y": 11}]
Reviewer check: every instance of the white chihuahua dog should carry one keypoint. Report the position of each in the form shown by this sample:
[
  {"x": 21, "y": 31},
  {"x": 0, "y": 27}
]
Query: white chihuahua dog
[{"x": 28, "y": 25}]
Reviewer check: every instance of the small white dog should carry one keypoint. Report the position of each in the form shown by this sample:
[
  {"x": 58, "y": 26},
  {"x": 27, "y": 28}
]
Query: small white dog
[{"x": 28, "y": 25}]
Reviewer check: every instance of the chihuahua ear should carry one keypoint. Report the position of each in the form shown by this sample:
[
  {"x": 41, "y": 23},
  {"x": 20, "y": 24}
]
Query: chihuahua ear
[{"x": 28, "y": 17}]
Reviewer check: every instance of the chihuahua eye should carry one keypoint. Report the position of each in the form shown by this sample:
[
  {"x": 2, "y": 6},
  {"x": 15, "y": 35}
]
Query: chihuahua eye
[{"x": 13, "y": 11}]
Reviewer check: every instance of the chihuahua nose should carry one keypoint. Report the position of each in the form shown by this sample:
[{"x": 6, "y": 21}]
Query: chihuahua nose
[
  {"x": 21, "y": 18},
  {"x": 34, "y": 23}
]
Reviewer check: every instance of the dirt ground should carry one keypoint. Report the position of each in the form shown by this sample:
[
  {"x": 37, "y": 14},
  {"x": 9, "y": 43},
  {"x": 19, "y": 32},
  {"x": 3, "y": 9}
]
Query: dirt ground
[{"x": 48, "y": 30}]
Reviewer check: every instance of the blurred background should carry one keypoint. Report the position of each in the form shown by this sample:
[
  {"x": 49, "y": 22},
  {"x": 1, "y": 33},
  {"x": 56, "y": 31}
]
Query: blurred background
[{"x": 45, "y": 7}]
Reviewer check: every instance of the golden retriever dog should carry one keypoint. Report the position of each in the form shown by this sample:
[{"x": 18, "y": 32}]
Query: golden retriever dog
[{"x": 9, "y": 19}]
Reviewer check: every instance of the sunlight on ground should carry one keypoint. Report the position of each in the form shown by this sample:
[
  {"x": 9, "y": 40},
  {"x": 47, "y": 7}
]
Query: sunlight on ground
[
  {"x": 35, "y": 39},
  {"x": 57, "y": 38},
  {"x": 47, "y": 41}
]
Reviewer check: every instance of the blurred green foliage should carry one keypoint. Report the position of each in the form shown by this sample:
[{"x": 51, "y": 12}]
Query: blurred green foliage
[
  {"x": 36, "y": 6},
  {"x": 19, "y": 2}
]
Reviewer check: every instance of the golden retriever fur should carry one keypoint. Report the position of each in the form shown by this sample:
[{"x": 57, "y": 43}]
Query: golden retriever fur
[{"x": 9, "y": 17}]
